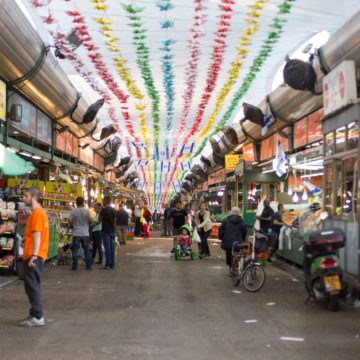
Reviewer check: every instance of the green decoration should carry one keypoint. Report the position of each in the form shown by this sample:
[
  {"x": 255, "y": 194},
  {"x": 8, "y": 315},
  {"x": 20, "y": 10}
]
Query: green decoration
[{"x": 265, "y": 51}]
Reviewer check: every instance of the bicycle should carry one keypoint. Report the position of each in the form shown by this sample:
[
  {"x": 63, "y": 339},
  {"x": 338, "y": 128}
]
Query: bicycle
[{"x": 245, "y": 267}]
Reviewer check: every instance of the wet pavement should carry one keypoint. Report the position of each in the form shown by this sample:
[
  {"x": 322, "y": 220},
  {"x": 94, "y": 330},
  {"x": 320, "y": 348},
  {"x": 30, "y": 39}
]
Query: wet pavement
[{"x": 151, "y": 307}]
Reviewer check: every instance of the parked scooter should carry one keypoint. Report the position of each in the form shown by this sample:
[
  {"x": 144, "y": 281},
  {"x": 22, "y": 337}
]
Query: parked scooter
[{"x": 323, "y": 275}]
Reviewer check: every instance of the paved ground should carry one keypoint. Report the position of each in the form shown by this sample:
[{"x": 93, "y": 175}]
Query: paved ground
[{"x": 152, "y": 307}]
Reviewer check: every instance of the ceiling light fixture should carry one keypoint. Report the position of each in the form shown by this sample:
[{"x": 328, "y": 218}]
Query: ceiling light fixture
[{"x": 25, "y": 153}]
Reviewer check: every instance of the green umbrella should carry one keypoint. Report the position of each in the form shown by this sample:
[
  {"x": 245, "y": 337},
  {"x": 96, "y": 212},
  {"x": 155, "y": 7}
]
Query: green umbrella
[{"x": 12, "y": 164}]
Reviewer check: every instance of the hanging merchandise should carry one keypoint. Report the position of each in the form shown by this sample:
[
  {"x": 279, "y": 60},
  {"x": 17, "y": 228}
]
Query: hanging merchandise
[{"x": 264, "y": 53}]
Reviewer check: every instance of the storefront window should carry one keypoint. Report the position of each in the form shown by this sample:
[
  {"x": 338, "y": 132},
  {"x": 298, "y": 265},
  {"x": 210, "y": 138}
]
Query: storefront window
[
  {"x": 338, "y": 188},
  {"x": 353, "y": 135},
  {"x": 329, "y": 144},
  {"x": 341, "y": 139},
  {"x": 329, "y": 176},
  {"x": 350, "y": 193},
  {"x": 253, "y": 196}
]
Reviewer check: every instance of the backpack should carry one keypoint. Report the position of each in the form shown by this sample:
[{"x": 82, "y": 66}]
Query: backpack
[
  {"x": 148, "y": 216},
  {"x": 300, "y": 75}
]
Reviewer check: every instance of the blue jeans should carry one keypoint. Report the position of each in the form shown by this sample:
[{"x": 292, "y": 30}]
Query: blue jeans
[
  {"x": 109, "y": 243},
  {"x": 97, "y": 247},
  {"x": 84, "y": 241},
  {"x": 204, "y": 248}
]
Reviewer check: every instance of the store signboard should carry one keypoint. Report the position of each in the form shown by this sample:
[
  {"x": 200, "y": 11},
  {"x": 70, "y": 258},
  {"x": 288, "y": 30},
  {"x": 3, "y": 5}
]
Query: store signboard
[
  {"x": 217, "y": 177},
  {"x": 248, "y": 153},
  {"x": 2, "y": 101},
  {"x": 231, "y": 161},
  {"x": 58, "y": 187},
  {"x": 23, "y": 184},
  {"x": 99, "y": 162},
  {"x": 339, "y": 87},
  {"x": 43, "y": 128}
]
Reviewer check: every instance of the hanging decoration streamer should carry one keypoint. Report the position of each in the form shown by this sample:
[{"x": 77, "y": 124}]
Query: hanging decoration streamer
[
  {"x": 265, "y": 51},
  {"x": 96, "y": 58},
  {"x": 217, "y": 56},
  {"x": 191, "y": 72},
  {"x": 107, "y": 30},
  {"x": 168, "y": 75},
  {"x": 142, "y": 53},
  {"x": 252, "y": 21}
]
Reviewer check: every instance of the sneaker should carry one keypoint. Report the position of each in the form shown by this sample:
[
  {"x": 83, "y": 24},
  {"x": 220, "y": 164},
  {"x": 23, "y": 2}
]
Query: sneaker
[{"x": 32, "y": 322}]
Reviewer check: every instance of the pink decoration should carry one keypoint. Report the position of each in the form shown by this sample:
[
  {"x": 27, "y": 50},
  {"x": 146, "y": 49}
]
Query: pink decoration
[{"x": 217, "y": 57}]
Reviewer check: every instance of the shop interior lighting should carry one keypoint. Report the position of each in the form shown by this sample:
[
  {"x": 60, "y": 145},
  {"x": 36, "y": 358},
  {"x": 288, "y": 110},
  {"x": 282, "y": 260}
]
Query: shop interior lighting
[
  {"x": 36, "y": 157},
  {"x": 25, "y": 153},
  {"x": 268, "y": 171},
  {"x": 13, "y": 150},
  {"x": 295, "y": 198},
  {"x": 220, "y": 193},
  {"x": 304, "y": 196},
  {"x": 15, "y": 132},
  {"x": 311, "y": 175},
  {"x": 290, "y": 191}
]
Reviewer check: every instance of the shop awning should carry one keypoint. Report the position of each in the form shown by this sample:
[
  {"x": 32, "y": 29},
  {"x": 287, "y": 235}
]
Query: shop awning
[{"x": 12, "y": 164}]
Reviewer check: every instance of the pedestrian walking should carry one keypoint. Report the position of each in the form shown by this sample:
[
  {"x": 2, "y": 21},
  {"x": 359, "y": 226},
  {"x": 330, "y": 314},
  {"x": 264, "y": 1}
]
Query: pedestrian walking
[
  {"x": 36, "y": 246},
  {"x": 80, "y": 222},
  {"x": 137, "y": 213},
  {"x": 266, "y": 218},
  {"x": 156, "y": 219},
  {"x": 146, "y": 220},
  {"x": 204, "y": 226},
  {"x": 97, "y": 235},
  {"x": 122, "y": 224},
  {"x": 108, "y": 226},
  {"x": 167, "y": 217},
  {"x": 178, "y": 218},
  {"x": 232, "y": 229}
]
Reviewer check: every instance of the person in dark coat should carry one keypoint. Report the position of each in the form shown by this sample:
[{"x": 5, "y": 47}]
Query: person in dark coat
[{"x": 232, "y": 229}]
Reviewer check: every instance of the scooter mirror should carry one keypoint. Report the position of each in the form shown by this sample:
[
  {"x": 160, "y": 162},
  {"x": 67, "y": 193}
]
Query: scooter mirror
[{"x": 324, "y": 215}]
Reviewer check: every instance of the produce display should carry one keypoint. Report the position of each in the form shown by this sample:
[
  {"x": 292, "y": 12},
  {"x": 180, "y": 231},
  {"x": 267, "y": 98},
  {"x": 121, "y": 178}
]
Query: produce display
[{"x": 7, "y": 260}]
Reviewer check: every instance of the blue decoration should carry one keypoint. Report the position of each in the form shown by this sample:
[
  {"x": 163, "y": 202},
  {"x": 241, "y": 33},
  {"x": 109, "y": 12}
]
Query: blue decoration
[{"x": 166, "y": 24}]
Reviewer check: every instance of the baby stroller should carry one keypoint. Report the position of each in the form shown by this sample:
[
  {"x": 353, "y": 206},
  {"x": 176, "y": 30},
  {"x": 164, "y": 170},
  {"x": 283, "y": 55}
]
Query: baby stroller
[
  {"x": 64, "y": 254},
  {"x": 183, "y": 247}
]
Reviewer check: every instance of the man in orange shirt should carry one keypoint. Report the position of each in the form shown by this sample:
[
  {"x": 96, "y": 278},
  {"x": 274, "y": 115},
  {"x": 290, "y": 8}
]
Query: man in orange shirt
[{"x": 36, "y": 245}]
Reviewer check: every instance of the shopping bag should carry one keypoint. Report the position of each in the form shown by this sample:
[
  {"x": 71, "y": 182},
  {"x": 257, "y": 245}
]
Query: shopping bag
[{"x": 196, "y": 236}]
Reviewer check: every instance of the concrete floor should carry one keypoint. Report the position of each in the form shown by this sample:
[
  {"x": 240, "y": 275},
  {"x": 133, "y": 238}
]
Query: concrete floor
[{"x": 152, "y": 307}]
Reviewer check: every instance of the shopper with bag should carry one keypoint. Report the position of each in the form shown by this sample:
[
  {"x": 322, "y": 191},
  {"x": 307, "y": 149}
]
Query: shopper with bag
[{"x": 203, "y": 226}]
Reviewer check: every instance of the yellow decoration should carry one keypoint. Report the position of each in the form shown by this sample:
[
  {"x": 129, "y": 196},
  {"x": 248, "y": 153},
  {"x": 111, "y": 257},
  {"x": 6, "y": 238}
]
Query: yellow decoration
[
  {"x": 22, "y": 184},
  {"x": 233, "y": 73}
]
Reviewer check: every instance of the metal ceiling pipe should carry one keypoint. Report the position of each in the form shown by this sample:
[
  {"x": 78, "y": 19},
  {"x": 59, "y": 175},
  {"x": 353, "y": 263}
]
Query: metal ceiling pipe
[
  {"x": 289, "y": 105},
  {"x": 50, "y": 89}
]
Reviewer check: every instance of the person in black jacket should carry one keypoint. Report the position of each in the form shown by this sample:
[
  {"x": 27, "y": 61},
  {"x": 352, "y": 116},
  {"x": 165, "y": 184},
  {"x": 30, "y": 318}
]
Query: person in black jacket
[
  {"x": 232, "y": 229},
  {"x": 122, "y": 224}
]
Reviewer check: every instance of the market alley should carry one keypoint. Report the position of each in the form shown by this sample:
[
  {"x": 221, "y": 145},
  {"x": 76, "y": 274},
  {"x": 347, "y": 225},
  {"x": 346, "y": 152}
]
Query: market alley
[{"x": 151, "y": 307}]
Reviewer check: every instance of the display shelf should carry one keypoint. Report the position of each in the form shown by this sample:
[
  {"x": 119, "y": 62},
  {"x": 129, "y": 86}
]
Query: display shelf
[
  {"x": 62, "y": 200},
  {"x": 5, "y": 266},
  {"x": 8, "y": 233},
  {"x": 6, "y": 249}
]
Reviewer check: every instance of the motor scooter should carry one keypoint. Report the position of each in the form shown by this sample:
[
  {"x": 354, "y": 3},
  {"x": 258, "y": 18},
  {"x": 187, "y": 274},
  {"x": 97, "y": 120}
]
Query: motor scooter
[{"x": 324, "y": 279}]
